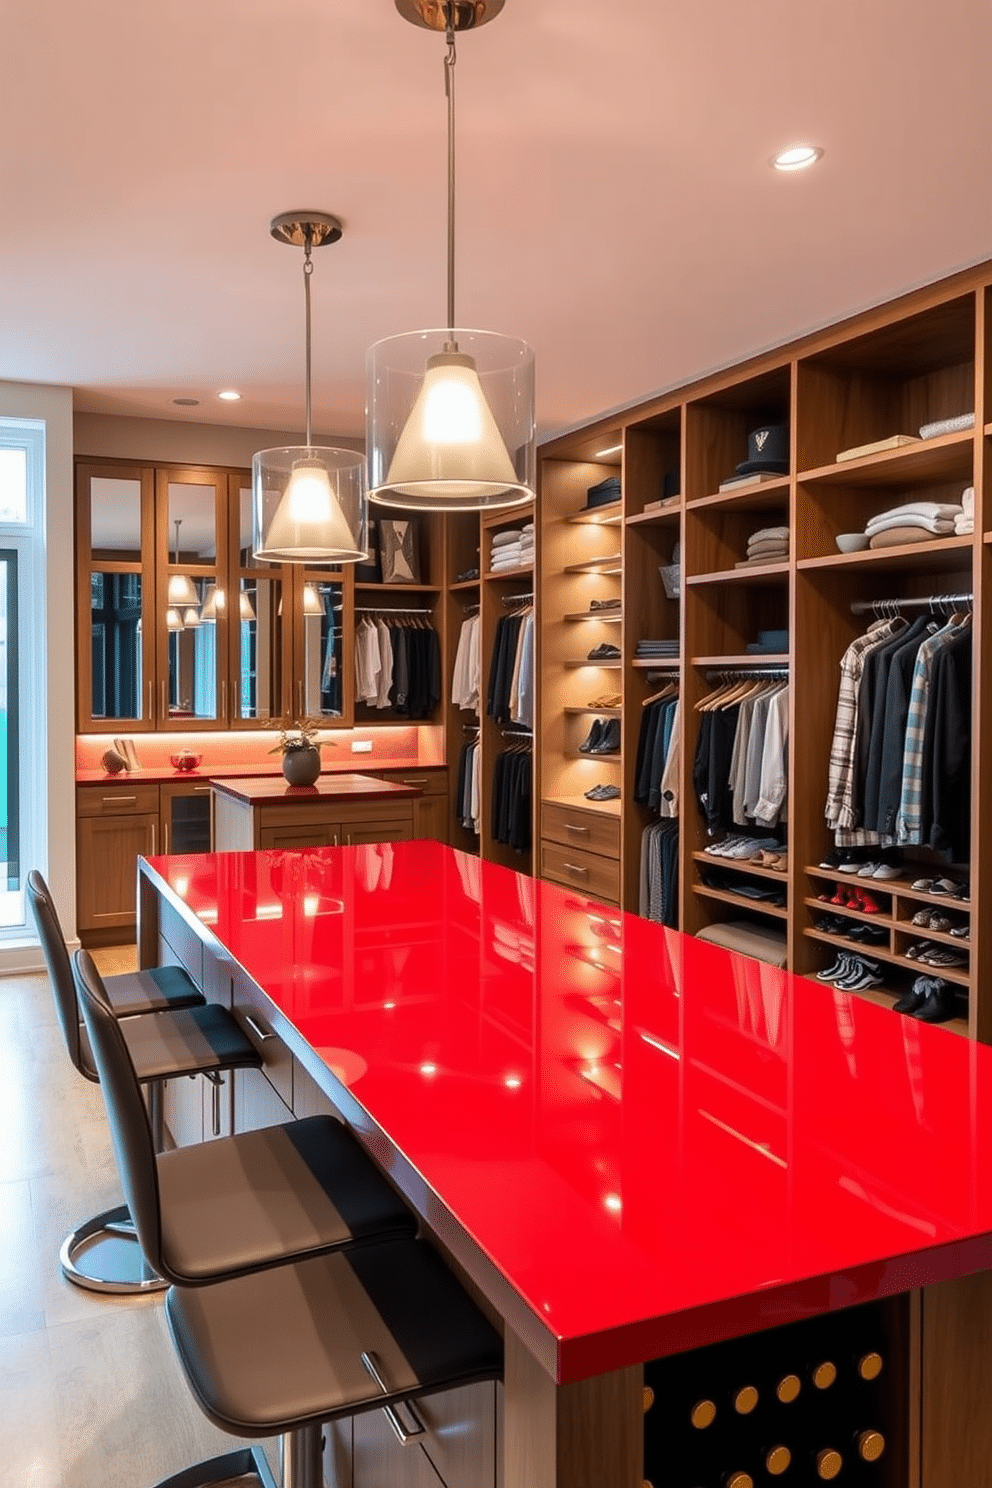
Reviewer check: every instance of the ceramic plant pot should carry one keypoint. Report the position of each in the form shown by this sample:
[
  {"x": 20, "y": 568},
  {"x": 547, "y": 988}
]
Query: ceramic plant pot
[{"x": 301, "y": 766}]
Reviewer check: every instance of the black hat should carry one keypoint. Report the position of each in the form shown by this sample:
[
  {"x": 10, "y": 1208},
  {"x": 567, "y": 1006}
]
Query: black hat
[{"x": 767, "y": 449}]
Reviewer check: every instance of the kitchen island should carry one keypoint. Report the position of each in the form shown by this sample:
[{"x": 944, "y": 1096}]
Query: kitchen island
[
  {"x": 336, "y": 811},
  {"x": 654, "y": 1161}
]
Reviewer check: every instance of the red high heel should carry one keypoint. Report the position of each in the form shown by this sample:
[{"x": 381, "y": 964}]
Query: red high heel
[{"x": 867, "y": 904}]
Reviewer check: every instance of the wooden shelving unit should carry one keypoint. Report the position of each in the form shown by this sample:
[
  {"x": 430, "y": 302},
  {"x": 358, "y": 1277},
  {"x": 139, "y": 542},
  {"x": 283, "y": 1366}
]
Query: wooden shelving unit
[{"x": 920, "y": 359}]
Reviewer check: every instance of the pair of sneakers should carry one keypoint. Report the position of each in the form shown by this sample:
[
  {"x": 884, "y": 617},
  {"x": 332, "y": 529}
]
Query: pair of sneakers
[{"x": 852, "y": 973}]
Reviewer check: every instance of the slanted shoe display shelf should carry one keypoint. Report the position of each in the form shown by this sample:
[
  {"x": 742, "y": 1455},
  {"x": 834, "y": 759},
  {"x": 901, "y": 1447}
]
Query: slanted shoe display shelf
[{"x": 925, "y": 357}]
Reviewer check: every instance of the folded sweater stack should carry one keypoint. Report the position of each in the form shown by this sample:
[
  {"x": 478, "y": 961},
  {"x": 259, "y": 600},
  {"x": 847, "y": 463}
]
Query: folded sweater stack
[
  {"x": 913, "y": 522},
  {"x": 512, "y": 548},
  {"x": 767, "y": 545},
  {"x": 964, "y": 522}
]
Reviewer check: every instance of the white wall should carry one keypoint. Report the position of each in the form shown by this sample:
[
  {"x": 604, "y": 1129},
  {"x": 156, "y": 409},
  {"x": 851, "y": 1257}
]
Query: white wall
[
  {"x": 163, "y": 440},
  {"x": 54, "y": 406}
]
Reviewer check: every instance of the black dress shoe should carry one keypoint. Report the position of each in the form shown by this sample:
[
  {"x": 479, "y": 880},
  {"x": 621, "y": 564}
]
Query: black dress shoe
[
  {"x": 609, "y": 741},
  {"x": 604, "y": 653},
  {"x": 593, "y": 737}
]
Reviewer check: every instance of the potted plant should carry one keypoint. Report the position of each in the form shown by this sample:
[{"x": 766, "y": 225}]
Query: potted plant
[{"x": 300, "y": 749}]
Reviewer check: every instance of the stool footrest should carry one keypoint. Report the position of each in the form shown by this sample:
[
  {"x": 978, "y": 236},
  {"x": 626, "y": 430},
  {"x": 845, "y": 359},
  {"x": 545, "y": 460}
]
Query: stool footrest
[{"x": 249, "y": 1463}]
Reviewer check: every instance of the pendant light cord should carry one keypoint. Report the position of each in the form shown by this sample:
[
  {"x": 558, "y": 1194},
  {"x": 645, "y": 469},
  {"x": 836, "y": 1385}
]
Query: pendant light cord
[
  {"x": 307, "y": 272},
  {"x": 449, "y": 93}
]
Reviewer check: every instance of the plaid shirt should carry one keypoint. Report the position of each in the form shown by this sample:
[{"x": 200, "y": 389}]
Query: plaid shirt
[
  {"x": 840, "y": 774},
  {"x": 909, "y": 820}
]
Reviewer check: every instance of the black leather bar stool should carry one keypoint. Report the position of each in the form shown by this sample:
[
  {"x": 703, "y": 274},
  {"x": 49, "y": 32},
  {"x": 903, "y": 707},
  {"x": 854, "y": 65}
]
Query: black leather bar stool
[
  {"x": 283, "y": 1343},
  {"x": 170, "y": 1030},
  {"x": 240, "y": 1203}
]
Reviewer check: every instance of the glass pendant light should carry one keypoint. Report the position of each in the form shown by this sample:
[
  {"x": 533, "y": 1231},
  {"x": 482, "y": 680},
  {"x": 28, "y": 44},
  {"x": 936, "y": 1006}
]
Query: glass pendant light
[
  {"x": 308, "y": 502},
  {"x": 450, "y": 412},
  {"x": 181, "y": 592}
]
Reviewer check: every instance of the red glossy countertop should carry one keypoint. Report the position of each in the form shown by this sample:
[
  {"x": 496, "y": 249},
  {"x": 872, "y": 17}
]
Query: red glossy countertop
[
  {"x": 636, "y": 1142},
  {"x": 262, "y": 790}
]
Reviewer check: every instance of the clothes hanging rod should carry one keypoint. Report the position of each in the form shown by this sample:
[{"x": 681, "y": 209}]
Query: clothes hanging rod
[
  {"x": 510, "y": 733},
  {"x": 879, "y": 606},
  {"x": 511, "y": 599},
  {"x": 766, "y": 673},
  {"x": 387, "y": 610}
]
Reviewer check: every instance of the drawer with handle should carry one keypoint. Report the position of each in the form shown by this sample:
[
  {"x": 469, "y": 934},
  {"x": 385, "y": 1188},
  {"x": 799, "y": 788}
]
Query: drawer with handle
[
  {"x": 581, "y": 870},
  {"x": 103, "y": 800},
  {"x": 593, "y": 831}
]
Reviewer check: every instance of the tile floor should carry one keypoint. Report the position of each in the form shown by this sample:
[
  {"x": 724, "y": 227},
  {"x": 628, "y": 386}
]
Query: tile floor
[{"x": 90, "y": 1392}]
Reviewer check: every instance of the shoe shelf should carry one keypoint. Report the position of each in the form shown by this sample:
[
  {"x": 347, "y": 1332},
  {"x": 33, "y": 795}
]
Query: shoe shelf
[
  {"x": 607, "y": 515},
  {"x": 585, "y": 662},
  {"x": 959, "y": 975},
  {"x": 599, "y": 712},
  {"x": 931, "y": 461},
  {"x": 886, "y": 996},
  {"x": 610, "y": 563},
  {"x": 612, "y": 758},
  {"x": 900, "y": 888},
  {"x": 607, "y": 808},
  {"x": 741, "y": 901},
  {"x": 740, "y": 865},
  {"x": 940, "y": 937},
  {"x": 461, "y": 584},
  {"x": 614, "y": 616}
]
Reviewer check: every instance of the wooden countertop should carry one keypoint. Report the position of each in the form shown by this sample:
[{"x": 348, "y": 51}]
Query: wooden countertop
[{"x": 263, "y": 790}]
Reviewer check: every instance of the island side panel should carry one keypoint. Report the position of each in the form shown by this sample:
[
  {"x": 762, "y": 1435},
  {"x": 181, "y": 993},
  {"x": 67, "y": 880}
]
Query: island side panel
[
  {"x": 234, "y": 824},
  {"x": 956, "y": 1381},
  {"x": 585, "y": 1435}
]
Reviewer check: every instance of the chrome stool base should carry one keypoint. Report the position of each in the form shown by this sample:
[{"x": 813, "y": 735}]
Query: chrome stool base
[{"x": 103, "y": 1255}]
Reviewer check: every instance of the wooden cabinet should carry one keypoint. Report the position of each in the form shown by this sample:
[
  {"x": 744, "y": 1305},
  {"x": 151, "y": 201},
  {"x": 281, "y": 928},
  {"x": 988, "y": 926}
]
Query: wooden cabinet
[
  {"x": 113, "y": 828},
  {"x": 430, "y": 809},
  {"x": 258, "y": 814}
]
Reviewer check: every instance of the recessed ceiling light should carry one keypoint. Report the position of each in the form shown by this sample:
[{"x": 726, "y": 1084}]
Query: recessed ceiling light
[
  {"x": 186, "y": 402},
  {"x": 613, "y": 450},
  {"x": 796, "y": 157},
  {"x": 229, "y": 396}
]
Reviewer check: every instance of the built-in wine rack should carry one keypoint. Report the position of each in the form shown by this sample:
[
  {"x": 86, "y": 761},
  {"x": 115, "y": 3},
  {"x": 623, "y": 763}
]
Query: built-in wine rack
[{"x": 821, "y": 1400}]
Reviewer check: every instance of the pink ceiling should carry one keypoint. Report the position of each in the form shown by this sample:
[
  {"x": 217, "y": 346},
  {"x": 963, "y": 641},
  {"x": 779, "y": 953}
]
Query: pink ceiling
[{"x": 616, "y": 207}]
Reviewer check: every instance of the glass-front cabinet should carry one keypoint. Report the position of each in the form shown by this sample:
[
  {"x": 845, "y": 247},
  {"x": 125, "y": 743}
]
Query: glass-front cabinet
[{"x": 178, "y": 628}]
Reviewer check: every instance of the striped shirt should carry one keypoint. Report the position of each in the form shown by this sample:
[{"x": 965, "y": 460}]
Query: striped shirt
[
  {"x": 840, "y": 773},
  {"x": 909, "y": 820}
]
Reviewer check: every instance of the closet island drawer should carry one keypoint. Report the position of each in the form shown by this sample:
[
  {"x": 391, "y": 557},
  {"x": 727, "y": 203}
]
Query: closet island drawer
[
  {"x": 581, "y": 870},
  {"x": 591, "y": 830}
]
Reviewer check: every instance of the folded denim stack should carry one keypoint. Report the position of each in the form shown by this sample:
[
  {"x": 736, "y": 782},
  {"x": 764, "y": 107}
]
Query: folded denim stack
[
  {"x": 767, "y": 545},
  {"x": 656, "y": 650},
  {"x": 912, "y": 522},
  {"x": 769, "y": 643},
  {"x": 512, "y": 548}
]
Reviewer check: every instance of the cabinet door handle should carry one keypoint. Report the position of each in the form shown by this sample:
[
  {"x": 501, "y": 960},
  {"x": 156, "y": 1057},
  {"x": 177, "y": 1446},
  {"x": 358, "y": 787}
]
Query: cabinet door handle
[
  {"x": 582, "y": 831},
  {"x": 223, "y": 700},
  {"x": 410, "y": 780},
  {"x": 574, "y": 868},
  {"x": 116, "y": 800},
  {"x": 197, "y": 788},
  {"x": 299, "y": 698},
  {"x": 151, "y": 701},
  {"x": 165, "y": 836},
  {"x": 165, "y": 701},
  {"x": 256, "y": 1029},
  {"x": 154, "y": 837}
]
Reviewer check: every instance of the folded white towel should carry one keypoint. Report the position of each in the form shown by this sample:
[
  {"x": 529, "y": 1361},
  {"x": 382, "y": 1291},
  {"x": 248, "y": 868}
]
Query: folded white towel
[
  {"x": 968, "y": 501},
  {"x": 939, "y": 526},
  {"x": 510, "y": 536},
  {"x": 765, "y": 533},
  {"x": 928, "y": 510},
  {"x": 947, "y": 426},
  {"x": 963, "y": 525}
]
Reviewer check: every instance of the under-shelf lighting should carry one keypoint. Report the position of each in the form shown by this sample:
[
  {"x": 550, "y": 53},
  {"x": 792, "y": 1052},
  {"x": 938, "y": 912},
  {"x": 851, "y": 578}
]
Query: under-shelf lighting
[
  {"x": 796, "y": 158},
  {"x": 614, "y": 449}
]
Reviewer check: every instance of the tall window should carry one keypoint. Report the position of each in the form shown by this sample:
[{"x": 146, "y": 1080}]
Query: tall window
[{"x": 22, "y": 659}]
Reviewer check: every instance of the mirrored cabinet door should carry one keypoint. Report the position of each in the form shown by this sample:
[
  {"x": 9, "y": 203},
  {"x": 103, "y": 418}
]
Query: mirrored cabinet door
[
  {"x": 115, "y": 623},
  {"x": 322, "y": 660},
  {"x": 261, "y": 626},
  {"x": 191, "y": 520}
]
